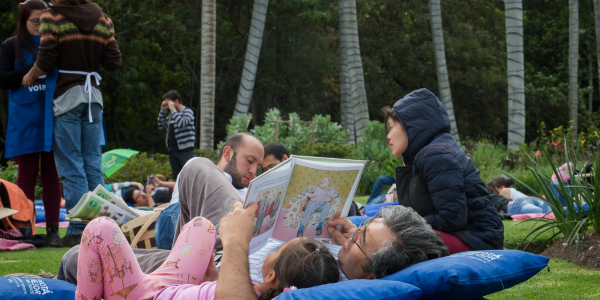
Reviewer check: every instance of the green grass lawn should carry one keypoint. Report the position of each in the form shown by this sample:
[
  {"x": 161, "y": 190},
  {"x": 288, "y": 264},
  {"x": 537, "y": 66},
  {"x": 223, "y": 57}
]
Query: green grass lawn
[
  {"x": 564, "y": 281},
  {"x": 32, "y": 261}
]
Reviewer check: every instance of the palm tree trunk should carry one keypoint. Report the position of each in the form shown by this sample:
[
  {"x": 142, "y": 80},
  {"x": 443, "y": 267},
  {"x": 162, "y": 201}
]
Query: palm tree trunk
[
  {"x": 207, "y": 71},
  {"x": 360, "y": 107},
  {"x": 573, "y": 61},
  {"x": 597, "y": 26},
  {"x": 590, "y": 78},
  {"x": 257, "y": 26},
  {"x": 435, "y": 13},
  {"x": 347, "y": 116},
  {"x": 516, "y": 73}
]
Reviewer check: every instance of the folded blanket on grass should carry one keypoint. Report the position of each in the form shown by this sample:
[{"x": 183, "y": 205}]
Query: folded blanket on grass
[
  {"x": 7, "y": 242},
  {"x": 11, "y": 245}
]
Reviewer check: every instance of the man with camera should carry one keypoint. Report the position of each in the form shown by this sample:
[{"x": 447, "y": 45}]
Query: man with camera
[{"x": 181, "y": 134}]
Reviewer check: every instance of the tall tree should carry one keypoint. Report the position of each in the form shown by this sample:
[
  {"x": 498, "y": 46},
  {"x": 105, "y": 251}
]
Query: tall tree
[
  {"x": 597, "y": 26},
  {"x": 573, "y": 61},
  {"x": 516, "y": 73},
  {"x": 360, "y": 107},
  {"x": 257, "y": 26},
  {"x": 347, "y": 115},
  {"x": 437, "y": 32},
  {"x": 208, "y": 59}
]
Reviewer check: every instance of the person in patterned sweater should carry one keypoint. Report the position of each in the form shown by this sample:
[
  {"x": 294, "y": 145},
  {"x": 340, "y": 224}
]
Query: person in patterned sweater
[{"x": 77, "y": 40}]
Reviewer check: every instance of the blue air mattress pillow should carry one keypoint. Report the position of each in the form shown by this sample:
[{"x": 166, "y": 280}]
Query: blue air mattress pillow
[
  {"x": 357, "y": 289},
  {"x": 473, "y": 274},
  {"x": 467, "y": 275},
  {"x": 35, "y": 288}
]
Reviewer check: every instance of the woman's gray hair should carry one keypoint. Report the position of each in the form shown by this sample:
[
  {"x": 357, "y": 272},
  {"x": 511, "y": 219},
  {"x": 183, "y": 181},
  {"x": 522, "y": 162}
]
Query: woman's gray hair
[{"x": 415, "y": 242}]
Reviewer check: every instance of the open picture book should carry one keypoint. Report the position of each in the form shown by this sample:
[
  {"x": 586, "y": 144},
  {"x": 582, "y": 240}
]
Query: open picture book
[
  {"x": 102, "y": 203},
  {"x": 299, "y": 196}
]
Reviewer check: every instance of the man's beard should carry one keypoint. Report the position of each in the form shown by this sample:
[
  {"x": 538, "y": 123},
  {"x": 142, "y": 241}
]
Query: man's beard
[{"x": 236, "y": 177}]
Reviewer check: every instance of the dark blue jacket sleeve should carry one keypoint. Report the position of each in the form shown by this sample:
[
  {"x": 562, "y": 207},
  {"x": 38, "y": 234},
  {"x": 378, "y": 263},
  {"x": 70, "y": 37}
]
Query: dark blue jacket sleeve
[{"x": 445, "y": 181}]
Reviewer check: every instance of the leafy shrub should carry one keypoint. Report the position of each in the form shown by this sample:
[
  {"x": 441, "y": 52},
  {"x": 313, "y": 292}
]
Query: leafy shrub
[
  {"x": 236, "y": 125},
  {"x": 211, "y": 154},
  {"x": 329, "y": 137},
  {"x": 9, "y": 173},
  {"x": 334, "y": 149},
  {"x": 142, "y": 165}
]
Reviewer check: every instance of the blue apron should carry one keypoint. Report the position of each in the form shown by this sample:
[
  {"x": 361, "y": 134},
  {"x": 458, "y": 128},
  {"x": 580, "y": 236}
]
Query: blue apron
[{"x": 30, "y": 123}]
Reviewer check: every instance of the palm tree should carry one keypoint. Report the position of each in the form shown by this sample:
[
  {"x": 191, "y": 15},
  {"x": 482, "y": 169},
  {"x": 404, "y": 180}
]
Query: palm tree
[
  {"x": 516, "y": 73},
  {"x": 345, "y": 95},
  {"x": 259, "y": 16},
  {"x": 207, "y": 69},
  {"x": 573, "y": 60},
  {"x": 359, "y": 107},
  {"x": 597, "y": 25},
  {"x": 435, "y": 12}
]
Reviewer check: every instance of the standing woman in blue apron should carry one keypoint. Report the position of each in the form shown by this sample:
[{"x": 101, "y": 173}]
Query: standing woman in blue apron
[
  {"x": 28, "y": 137},
  {"x": 78, "y": 39}
]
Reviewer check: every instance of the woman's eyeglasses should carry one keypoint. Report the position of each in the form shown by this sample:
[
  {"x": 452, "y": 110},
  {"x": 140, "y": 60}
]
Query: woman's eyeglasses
[{"x": 35, "y": 22}]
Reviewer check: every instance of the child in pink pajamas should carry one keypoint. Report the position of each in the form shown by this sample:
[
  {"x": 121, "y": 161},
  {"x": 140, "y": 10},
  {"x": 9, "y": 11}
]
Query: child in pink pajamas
[{"x": 108, "y": 269}]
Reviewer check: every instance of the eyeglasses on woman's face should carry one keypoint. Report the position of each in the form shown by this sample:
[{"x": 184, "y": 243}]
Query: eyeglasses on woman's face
[{"x": 35, "y": 21}]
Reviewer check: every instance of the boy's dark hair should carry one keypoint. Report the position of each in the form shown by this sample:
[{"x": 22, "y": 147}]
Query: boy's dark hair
[
  {"x": 235, "y": 141},
  {"x": 128, "y": 196},
  {"x": 278, "y": 150},
  {"x": 173, "y": 95},
  {"x": 499, "y": 181},
  {"x": 304, "y": 264}
]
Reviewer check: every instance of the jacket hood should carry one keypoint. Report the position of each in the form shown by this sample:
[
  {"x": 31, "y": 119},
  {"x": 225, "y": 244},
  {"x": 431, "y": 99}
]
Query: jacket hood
[
  {"x": 84, "y": 16},
  {"x": 423, "y": 117}
]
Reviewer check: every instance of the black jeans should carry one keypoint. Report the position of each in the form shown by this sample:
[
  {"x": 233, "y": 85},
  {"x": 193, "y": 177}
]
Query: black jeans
[{"x": 177, "y": 159}]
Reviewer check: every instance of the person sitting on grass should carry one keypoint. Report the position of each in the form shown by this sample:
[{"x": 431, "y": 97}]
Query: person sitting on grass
[
  {"x": 516, "y": 202},
  {"x": 438, "y": 180},
  {"x": 108, "y": 269}
]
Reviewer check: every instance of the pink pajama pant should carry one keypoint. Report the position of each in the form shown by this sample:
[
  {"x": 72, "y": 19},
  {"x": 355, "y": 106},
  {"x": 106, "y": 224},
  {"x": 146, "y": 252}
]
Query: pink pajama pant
[{"x": 107, "y": 268}]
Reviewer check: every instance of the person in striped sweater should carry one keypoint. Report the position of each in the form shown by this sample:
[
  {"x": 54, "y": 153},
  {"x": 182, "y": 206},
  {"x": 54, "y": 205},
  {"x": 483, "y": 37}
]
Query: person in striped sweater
[{"x": 181, "y": 134}]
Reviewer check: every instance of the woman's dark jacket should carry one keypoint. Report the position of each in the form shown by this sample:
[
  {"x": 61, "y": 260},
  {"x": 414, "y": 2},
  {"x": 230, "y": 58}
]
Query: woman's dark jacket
[{"x": 440, "y": 181}]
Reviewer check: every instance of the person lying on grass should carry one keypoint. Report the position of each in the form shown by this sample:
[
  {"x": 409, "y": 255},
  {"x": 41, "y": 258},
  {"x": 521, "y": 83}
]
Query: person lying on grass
[
  {"x": 515, "y": 202},
  {"x": 108, "y": 269}
]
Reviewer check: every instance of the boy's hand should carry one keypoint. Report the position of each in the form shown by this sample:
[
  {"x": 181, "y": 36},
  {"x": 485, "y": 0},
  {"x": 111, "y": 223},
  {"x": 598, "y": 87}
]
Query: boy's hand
[
  {"x": 238, "y": 225},
  {"x": 157, "y": 181},
  {"x": 164, "y": 105}
]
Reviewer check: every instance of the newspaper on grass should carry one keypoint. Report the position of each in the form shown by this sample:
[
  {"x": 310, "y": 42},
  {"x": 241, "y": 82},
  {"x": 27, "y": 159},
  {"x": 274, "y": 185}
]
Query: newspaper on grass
[
  {"x": 299, "y": 196},
  {"x": 102, "y": 203}
]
